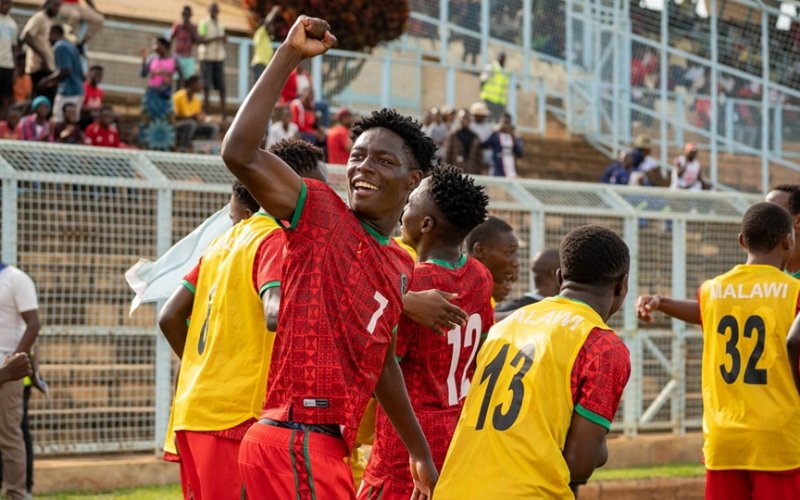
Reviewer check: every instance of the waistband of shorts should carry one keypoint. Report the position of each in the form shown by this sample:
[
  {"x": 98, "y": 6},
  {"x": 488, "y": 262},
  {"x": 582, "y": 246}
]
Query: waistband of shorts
[
  {"x": 324, "y": 429},
  {"x": 275, "y": 436}
]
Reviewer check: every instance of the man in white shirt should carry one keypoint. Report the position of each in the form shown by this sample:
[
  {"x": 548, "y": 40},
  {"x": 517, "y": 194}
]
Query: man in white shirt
[
  {"x": 687, "y": 171},
  {"x": 211, "y": 54},
  {"x": 284, "y": 129},
  {"x": 19, "y": 327}
]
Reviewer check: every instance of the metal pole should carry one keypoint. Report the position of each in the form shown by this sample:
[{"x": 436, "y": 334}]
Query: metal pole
[
  {"x": 485, "y": 56},
  {"x": 386, "y": 79},
  {"x": 444, "y": 31},
  {"x": 764, "y": 102},
  {"x": 712, "y": 17},
  {"x": 677, "y": 405},
  {"x": 777, "y": 127},
  {"x": 163, "y": 355},
  {"x": 633, "y": 392},
  {"x": 527, "y": 34},
  {"x": 541, "y": 106},
  {"x": 680, "y": 117},
  {"x": 10, "y": 221},
  {"x": 570, "y": 69},
  {"x": 243, "y": 81},
  {"x": 316, "y": 78},
  {"x": 662, "y": 113},
  {"x": 450, "y": 87}
]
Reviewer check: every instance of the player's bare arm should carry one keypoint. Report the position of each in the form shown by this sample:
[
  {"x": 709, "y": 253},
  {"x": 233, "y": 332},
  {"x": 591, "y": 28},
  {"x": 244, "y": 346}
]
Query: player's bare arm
[
  {"x": 272, "y": 304},
  {"x": 173, "y": 316},
  {"x": 434, "y": 309},
  {"x": 684, "y": 310},
  {"x": 793, "y": 349},
  {"x": 393, "y": 397},
  {"x": 32, "y": 327},
  {"x": 271, "y": 181},
  {"x": 585, "y": 450},
  {"x": 15, "y": 367}
]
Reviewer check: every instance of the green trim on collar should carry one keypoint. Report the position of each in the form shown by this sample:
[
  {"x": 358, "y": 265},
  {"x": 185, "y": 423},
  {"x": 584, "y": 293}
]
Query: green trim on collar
[
  {"x": 450, "y": 265},
  {"x": 794, "y": 275},
  {"x": 579, "y": 301},
  {"x": 592, "y": 417},
  {"x": 383, "y": 240}
]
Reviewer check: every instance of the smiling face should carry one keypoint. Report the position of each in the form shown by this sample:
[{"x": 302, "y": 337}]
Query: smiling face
[{"x": 380, "y": 174}]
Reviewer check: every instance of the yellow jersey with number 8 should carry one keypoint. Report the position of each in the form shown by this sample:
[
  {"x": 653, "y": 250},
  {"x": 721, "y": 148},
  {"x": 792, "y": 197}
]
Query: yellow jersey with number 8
[
  {"x": 751, "y": 408},
  {"x": 519, "y": 406}
]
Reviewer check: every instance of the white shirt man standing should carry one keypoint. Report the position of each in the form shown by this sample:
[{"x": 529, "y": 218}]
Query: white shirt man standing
[{"x": 19, "y": 327}]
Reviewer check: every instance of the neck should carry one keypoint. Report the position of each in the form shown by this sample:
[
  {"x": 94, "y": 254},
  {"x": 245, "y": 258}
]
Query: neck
[
  {"x": 434, "y": 248},
  {"x": 384, "y": 225},
  {"x": 773, "y": 259},
  {"x": 600, "y": 303}
]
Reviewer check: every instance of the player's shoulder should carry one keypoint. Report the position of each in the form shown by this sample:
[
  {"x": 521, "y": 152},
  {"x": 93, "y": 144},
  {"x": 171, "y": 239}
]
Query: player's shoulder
[{"x": 605, "y": 341}]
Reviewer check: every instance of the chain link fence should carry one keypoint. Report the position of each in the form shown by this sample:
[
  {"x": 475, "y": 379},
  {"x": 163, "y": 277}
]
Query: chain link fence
[{"x": 75, "y": 218}]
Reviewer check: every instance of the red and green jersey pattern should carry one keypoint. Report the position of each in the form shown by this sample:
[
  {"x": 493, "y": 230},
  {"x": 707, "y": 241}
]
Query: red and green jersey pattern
[
  {"x": 342, "y": 295},
  {"x": 437, "y": 368}
]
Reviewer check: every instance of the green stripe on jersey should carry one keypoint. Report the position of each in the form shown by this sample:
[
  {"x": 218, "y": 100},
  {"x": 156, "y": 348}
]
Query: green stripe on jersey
[{"x": 592, "y": 417}]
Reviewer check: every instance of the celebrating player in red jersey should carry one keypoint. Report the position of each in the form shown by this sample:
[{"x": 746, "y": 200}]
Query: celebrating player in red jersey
[
  {"x": 436, "y": 368},
  {"x": 342, "y": 292}
]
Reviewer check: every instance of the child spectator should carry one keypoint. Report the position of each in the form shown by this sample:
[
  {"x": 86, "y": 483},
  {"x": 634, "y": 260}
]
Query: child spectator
[
  {"x": 102, "y": 132},
  {"x": 35, "y": 126},
  {"x": 9, "y": 129}
]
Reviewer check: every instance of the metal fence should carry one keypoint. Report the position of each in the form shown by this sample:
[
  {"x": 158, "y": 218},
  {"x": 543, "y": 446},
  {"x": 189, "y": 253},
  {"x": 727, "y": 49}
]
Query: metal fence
[{"x": 75, "y": 218}]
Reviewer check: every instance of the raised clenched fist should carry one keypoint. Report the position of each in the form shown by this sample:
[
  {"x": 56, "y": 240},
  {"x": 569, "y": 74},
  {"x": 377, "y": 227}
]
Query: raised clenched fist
[{"x": 310, "y": 37}]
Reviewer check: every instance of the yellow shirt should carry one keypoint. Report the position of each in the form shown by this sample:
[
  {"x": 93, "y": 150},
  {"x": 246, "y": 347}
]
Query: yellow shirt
[
  {"x": 223, "y": 376},
  {"x": 751, "y": 409},
  {"x": 519, "y": 407},
  {"x": 408, "y": 248},
  {"x": 262, "y": 47},
  {"x": 184, "y": 107}
]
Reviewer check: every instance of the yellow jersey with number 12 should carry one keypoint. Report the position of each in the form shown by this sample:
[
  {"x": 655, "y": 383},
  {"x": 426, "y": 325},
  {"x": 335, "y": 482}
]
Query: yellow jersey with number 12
[
  {"x": 519, "y": 407},
  {"x": 751, "y": 409}
]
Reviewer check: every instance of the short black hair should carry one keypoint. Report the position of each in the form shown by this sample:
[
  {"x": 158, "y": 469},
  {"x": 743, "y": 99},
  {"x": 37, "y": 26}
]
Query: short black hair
[
  {"x": 458, "y": 198},
  {"x": 487, "y": 231},
  {"x": 302, "y": 156},
  {"x": 794, "y": 196},
  {"x": 593, "y": 255},
  {"x": 57, "y": 28},
  {"x": 418, "y": 143},
  {"x": 96, "y": 67},
  {"x": 244, "y": 197},
  {"x": 67, "y": 105},
  {"x": 191, "y": 81},
  {"x": 763, "y": 226},
  {"x": 164, "y": 41}
]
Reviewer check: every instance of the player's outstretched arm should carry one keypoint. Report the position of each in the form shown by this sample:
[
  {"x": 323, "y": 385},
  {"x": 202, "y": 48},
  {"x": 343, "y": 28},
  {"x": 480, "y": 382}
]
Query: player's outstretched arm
[
  {"x": 793, "y": 350},
  {"x": 684, "y": 310},
  {"x": 268, "y": 178},
  {"x": 393, "y": 397},
  {"x": 584, "y": 451},
  {"x": 15, "y": 367},
  {"x": 434, "y": 309},
  {"x": 173, "y": 316}
]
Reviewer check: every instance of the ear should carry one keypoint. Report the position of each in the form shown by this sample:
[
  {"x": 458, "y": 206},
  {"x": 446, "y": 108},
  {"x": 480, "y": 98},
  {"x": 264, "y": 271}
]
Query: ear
[
  {"x": 621, "y": 286},
  {"x": 247, "y": 213},
  {"x": 414, "y": 178},
  {"x": 788, "y": 241},
  {"x": 427, "y": 224},
  {"x": 741, "y": 241},
  {"x": 559, "y": 278},
  {"x": 477, "y": 250}
]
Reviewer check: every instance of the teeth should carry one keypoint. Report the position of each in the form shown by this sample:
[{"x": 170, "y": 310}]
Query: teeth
[{"x": 365, "y": 185}]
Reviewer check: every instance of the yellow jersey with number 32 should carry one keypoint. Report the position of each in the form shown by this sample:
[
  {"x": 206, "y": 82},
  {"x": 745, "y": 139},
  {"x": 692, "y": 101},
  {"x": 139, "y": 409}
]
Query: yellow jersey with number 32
[
  {"x": 751, "y": 408},
  {"x": 512, "y": 430}
]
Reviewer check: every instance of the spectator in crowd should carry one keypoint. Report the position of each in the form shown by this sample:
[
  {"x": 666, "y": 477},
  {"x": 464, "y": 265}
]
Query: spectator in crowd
[
  {"x": 262, "y": 43},
  {"x": 156, "y": 130},
  {"x": 184, "y": 37},
  {"x": 481, "y": 126},
  {"x": 299, "y": 80},
  {"x": 74, "y": 13},
  {"x": 92, "y": 96},
  {"x": 494, "y": 87},
  {"x": 462, "y": 147},
  {"x": 8, "y": 47},
  {"x": 19, "y": 315},
  {"x": 439, "y": 127},
  {"x": 68, "y": 75},
  {"x": 68, "y": 131},
  {"x": 285, "y": 128},
  {"x": 211, "y": 54},
  {"x": 23, "y": 85},
  {"x": 619, "y": 171},
  {"x": 39, "y": 57},
  {"x": 9, "y": 128},
  {"x": 506, "y": 147},
  {"x": 36, "y": 126},
  {"x": 103, "y": 132},
  {"x": 338, "y": 141},
  {"x": 687, "y": 173},
  {"x": 191, "y": 121},
  {"x": 305, "y": 117},
  {"x": 545, "y": 283}
]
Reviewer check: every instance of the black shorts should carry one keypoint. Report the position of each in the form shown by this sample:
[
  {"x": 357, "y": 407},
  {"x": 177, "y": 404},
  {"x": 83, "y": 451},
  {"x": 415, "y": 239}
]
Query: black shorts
[
  {"x": 213, "y": 74},
  {"x": 6, "y": 82}
]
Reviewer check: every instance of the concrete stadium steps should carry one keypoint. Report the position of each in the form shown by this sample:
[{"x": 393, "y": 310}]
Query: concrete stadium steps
[{"x": 570, "y": 158}]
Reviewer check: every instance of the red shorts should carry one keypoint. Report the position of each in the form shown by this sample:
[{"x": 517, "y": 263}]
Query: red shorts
[
  {"x": 286, "y": 463},
  {"x": 209, "y": 466},
  {"x": 386, "y": 490},
  {"x": 752, "y": 484}
]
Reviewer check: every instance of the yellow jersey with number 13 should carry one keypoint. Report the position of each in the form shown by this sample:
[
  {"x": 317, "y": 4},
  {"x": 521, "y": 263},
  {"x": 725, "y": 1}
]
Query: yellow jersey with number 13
[
  {"x": 751, "y": 409},
  {"x": 519, "y": 406}
]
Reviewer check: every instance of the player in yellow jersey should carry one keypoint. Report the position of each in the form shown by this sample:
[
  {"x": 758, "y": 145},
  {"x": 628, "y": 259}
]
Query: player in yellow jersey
[
  {"x": 232, "y": 297},
  {"x": 547, "y": 384},
  {"x": 751, "y": 407}
]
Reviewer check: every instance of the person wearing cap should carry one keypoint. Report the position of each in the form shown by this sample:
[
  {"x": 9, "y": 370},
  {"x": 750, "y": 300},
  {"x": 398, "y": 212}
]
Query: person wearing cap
[
  {"x": 338, "y": 140},
  {"x": 687, "y": 173},
  {"x": 641, "y": 150},
  {"x": 494, "y": 87},
  {"x": 35, "y": 126}
]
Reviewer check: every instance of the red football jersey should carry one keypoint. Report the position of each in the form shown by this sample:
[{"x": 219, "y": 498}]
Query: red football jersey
[
  {"x": 341, "y": 297},
  {"x": 437, "y": 367}
]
